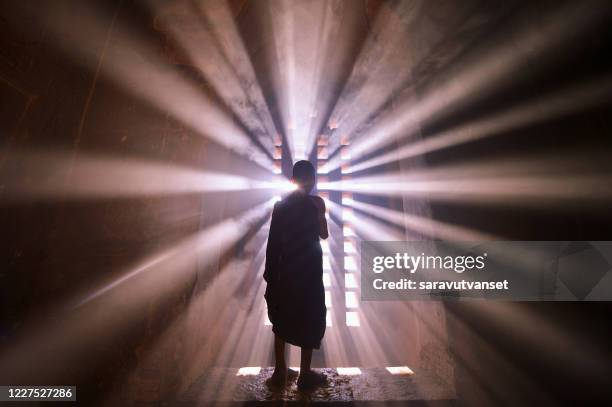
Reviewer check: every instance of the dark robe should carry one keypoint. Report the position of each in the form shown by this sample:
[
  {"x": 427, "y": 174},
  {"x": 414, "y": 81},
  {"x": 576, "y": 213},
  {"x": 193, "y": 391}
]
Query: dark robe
[{"x": 294, "y": 273}]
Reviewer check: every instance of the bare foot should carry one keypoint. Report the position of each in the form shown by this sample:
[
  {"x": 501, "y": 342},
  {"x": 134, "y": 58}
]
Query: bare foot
[
  {"x": 310, "y": 380},
  {"x": 280, "y": 377}
]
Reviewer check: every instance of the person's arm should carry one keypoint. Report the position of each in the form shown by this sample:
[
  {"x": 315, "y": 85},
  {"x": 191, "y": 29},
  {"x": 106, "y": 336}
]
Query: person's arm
[
  {"x": 273, "y": 249},
  {"x": 320, "y": 204}
]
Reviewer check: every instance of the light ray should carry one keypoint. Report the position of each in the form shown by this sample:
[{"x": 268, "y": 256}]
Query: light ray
[
  {"x": 206, "y": 32},
  {"x": 53, "y": 176},
  {"x": 532, "y": 181},
  {"x": 375, "y": 76},
  {"x": 135, "y": 65},
  {"x": 67, "y": 338},
  {"x": 214, "y": 239},
  {"x": 427, "y": 226},
  {"x": 482, "y": 75},
  {"x": 561, "y": 103}
]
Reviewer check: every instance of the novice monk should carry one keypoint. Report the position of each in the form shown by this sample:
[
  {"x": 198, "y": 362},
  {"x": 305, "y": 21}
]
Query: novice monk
[{"x": 294, "y": 277}]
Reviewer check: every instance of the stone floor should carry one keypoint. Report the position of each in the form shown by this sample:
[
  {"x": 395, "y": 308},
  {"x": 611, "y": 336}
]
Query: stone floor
[{"x": 372, "y": 386}]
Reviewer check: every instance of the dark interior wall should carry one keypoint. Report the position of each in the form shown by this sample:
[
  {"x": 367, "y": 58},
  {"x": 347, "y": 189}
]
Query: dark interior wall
[
  {"x": 55, "y": 251},
  {"x": 531, "y": 353},
  {"x": 578, "y": 139},
  {"x": 535, "y": 353}
]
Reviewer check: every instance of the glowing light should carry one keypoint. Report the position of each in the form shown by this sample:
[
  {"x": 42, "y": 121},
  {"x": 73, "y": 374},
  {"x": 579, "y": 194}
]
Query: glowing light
[
  {"x": 348, "y": 231},
  {"x": 325, "y": 246},
  {"x": 349, "y": 280},
  {"x": 135, "y": 64},
  {"x": 249, "y": 371},
  {"x": 348, "y": 371},
  {"x": 399, "y": 370},
  {"x": 328, "y": 299},
  {"x": 352, "y": 318},
  {"x": 348, "y": 214},
  {"x": 349, "y": 263},
  {"x": 347, "y": 201},
  {"x": 267, "y": 321},
  {"x": 285, "y": 185},
  {"x": 350, "y": 299},
  {"x": 328, "y": 319},
  {"x": 326, "y": 263},
  {"x": 369, "y": 228},
  {"x": 482, "y": 72},
  {"x": 279, "y": 185},
  {"x": 221, "y": 29},
  {"x": 326, "y": 280},
  {"x": 349, "y": 247},
  {"x": 277, "y": 168},
  {"x": 423, "y": 224},
  {"x": 237, "y": 331},
  {"x": 345, "y": 153},
  {"x": 324, "y": 169},
  {"x": 529, "y": 181},
  {"x": 577, "y": 98},
  {"x": 55, "y": 175},
  {"x": 119, "y": 304},
  {"x": 213, "y": 239},
  {"x": 299, "y": 147}
]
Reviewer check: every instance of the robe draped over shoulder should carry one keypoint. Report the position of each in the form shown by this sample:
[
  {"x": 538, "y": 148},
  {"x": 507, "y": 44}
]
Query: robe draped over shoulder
[{"x": 294, "y": 273}]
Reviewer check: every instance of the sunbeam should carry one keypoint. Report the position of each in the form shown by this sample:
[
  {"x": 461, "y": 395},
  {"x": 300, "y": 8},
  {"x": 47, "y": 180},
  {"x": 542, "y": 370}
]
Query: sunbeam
[
  {"x": 483, "y": 73},
  {"x": 134, "y": 64},
  {"x": 52, "y": 176},
  {"x": 110, "y": 309},
  {"x": 204, "y": 32},
  {"x": 224, "y": 202},
  {"x": 431, "y": 228},
  {"x": 527, "y": 182},
  {"x": 546, "y": 108}
]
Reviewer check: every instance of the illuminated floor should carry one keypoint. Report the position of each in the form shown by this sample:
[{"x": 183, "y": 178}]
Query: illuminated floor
[{"x": 355, "y": 385}]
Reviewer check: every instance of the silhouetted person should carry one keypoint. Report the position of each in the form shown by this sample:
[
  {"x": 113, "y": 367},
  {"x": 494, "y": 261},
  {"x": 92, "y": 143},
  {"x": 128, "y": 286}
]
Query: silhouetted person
[{"x": 294, "y": 277}]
